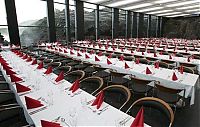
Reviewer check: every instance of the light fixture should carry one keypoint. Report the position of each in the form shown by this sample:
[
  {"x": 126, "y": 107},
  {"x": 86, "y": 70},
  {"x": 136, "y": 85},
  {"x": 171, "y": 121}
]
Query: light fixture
[
  {"x": 96, "y": 1},
  {"x": 177, "y": 15},
  {"x": 182, "y": 3},
  {"x": 171, "y": 13},
  {"x": 157, "y": 12},
  {"x": 163, "y": 1},
  {"x": 137, "y": 6},
  {"x": 188, "y": 7},
  {"x": 120, "y": 3},
  {"x": 193, "y": 10},
  {"x": 149, "y": 9}
]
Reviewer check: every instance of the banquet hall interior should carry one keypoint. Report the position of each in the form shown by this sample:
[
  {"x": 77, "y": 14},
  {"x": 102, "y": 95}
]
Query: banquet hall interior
[{"x": 123, "y": 63}]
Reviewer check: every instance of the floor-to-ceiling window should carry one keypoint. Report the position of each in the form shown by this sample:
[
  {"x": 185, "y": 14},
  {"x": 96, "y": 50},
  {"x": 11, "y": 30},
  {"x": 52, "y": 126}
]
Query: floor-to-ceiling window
[
  {"x": 145, "y": 26},
  {"x": 3, "y": 22},
  {"x": 122, "y": 24},
  {"x": 72, "y": 19},
  {"x": 89, "y": 21},
  {"x": 32, "y": 21},
  {"x": 105, "y": 22},
  {"x": 153, "y": 26}
]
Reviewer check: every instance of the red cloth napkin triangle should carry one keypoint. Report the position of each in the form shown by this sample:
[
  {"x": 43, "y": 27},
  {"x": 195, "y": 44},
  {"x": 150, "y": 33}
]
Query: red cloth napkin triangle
[
  {"x": 148, "y": 71},
  {"x": 174, "y": 77},
  {"x": 100, "y": 53},
  {"x": 60, "y": 50},
  {"x": 139, "y": 119},
  {"x": 148, "y": 51},
  {"x": 137, "y": 61},
  {"x": 78, "y": 54},
  {"x": 110, "y": 55},
  {"x": 14, "y": 78},
  {"x": 25, "y": 56},
  {"x": 99, "y": 100},
  {"x": 75, "y": 86},
  {"x": 142, "y": 53},
  {"x": 92, "y": 52},
  {"x": 21, "y": 55},
  {"x": 6, "y": 67},
  {"x": 40, "y": 66},
  {"x": 60, "y": 76},
  {"x": 65, "y": 51},
  {"x": 20, "y": 88},
  {"x": 188, "y": 59},
  {"x": 155, "y": 55},
  {"x": 71, "y": 53},
  {"x": 122, "y": 50},
  {"x": 34, "y": 62},
  {"x": 108, "y": 62},
  {"x": 181, "y": 69},
  {"x": 49, "y": 70},
  {"x": 156, "y": 65},
  {"x": 32, "y": 103},
  {"x": 45, "y": 123},
  {"x": 10, "y": 72},
  {"x": 86, "y": 56},
  {"x": 96, "y": 58},
  {"x": 121, "y": 58},
  {"x": 126, "y": 66},
  {"x": 160, "y": 52},
  {"x": 170, "y": 57},
  {"x": 29, "y": 59}
]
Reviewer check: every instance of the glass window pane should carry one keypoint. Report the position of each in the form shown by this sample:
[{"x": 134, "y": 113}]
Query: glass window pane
[
  {"x": 72, "y": 22},
  {"x": 89, "y": 23},
  {"x": 4, "y": 32},
  {"x": 122, "y": 25},
  {"x": 105, "y": 24},
  {"x": 3, "y": 16}
]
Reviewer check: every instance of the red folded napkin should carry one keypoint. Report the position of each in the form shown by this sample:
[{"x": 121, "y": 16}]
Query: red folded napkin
[
  {"x": 65, "y": 51},
  {"x": 14, "y": 78},
  {"x": 121, "y": 58},
  {"x": 188, "y": 59},
  {"x": 122, "y": 50},
  {"x": 32, "y": 103},
  {"x": 20, "y": 88},
  {"x": 49, "y": 70},
  {"x": 148, "y": 51},
  {"x": 86, "y": 56},
  {"x": 137, "y": 61},
  {"x": 170, "y": 57},
  {"x": 160, "y": 52},
  {"x": 71, "y": 53},
  {"x": 96, "y": 58},
  {"x": 139, "y": 119},
  {"x": 100, "y": 53},
  {"x": 45, "y": 123},
  {"x": 156, "y": 65},
  {"x": 148, "y": 71},
  {"x": 99, "y": 100},
  {"x": 132, "y": 51},
  {"x": 92, "y": 52},
  {"x": 109, "y": 62},
  {"x": 21, "y": 55},
  {"x": 34, "y": 62},
  {"x": 78, "y": 54},
  {"x": 10, "y": 72},
  {"x": 40, "y": 66},
  {"x": 25, "y": 56},
  {"x": 155, "y": 55},
  {"x": 174, "y": 77},
  {"x": 126, "y": 66},
  {"x": 29, "y": 59},
  {"x": 142, "y": 53},
  {"x": 181, "y": 69},
  {"x": 60, "y": 76},
  {"x": 75, "y": 86},
  {"x": 60, "y": 50}
]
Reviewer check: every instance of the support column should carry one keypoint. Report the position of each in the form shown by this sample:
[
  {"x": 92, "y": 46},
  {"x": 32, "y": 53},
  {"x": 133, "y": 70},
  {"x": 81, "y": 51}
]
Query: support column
[
  {"x": 51, "y": 21},
  {"x": 115, "y": 23},
  {"x": 141, "y": 25},
  {"x": 79, "y": 20},
  {"x": 12, "y": 22},
  {"x": 158, "y": 33},
  {"x": 97, "y": 22},
  {"x": 149, "y": 26},
  {"x": 128, "y": 24},
  {"x": 134, "y": 25},
  {"x": 164, "y": 21},
  {"x": 67, "y": 18}
]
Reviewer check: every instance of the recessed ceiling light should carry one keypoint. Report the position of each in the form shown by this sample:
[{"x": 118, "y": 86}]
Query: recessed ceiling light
[
  {"x": 137, "y": 6},
  {"x": 120, "y": 3},
  {"x": 157, "y": 12},
  {"x": 188, "y": 7},
  {"x": 149, "y": 9},
  {"x": 177, "y": 15},
  {"x": 193, "y": 10},
  {"x": 172, "y": 13},
  {"x": 163, "y": 1},
  {"x": 182, "y": 3}
]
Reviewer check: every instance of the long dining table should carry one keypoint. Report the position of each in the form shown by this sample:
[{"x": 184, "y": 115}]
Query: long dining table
[
  {"x": 185, "y": 81},
  {"x": 59, "y": 104}
]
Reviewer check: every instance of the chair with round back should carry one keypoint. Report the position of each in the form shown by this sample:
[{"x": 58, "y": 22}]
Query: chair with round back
[
  {"x": 66, "y": 69},
  {"x": 91, "y": 84},
  {"x": 163, "y": 65},
  {"x": 54, "y": 65},
  {"x": 116, "y": 95},
  {"x": 157, "y": 113},
  {"x": 187, "y": 69},
  {"x": 191, "y": 66},
  {"x": 74, "y": 75}
]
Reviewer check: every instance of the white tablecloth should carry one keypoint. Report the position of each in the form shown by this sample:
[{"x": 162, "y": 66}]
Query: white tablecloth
[
  {"x": 185, "y": 81},
  {"x": 71, "y": 109}
]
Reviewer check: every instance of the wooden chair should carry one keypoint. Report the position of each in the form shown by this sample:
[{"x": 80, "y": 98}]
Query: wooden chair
[{"x": 74, "y": 75}]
